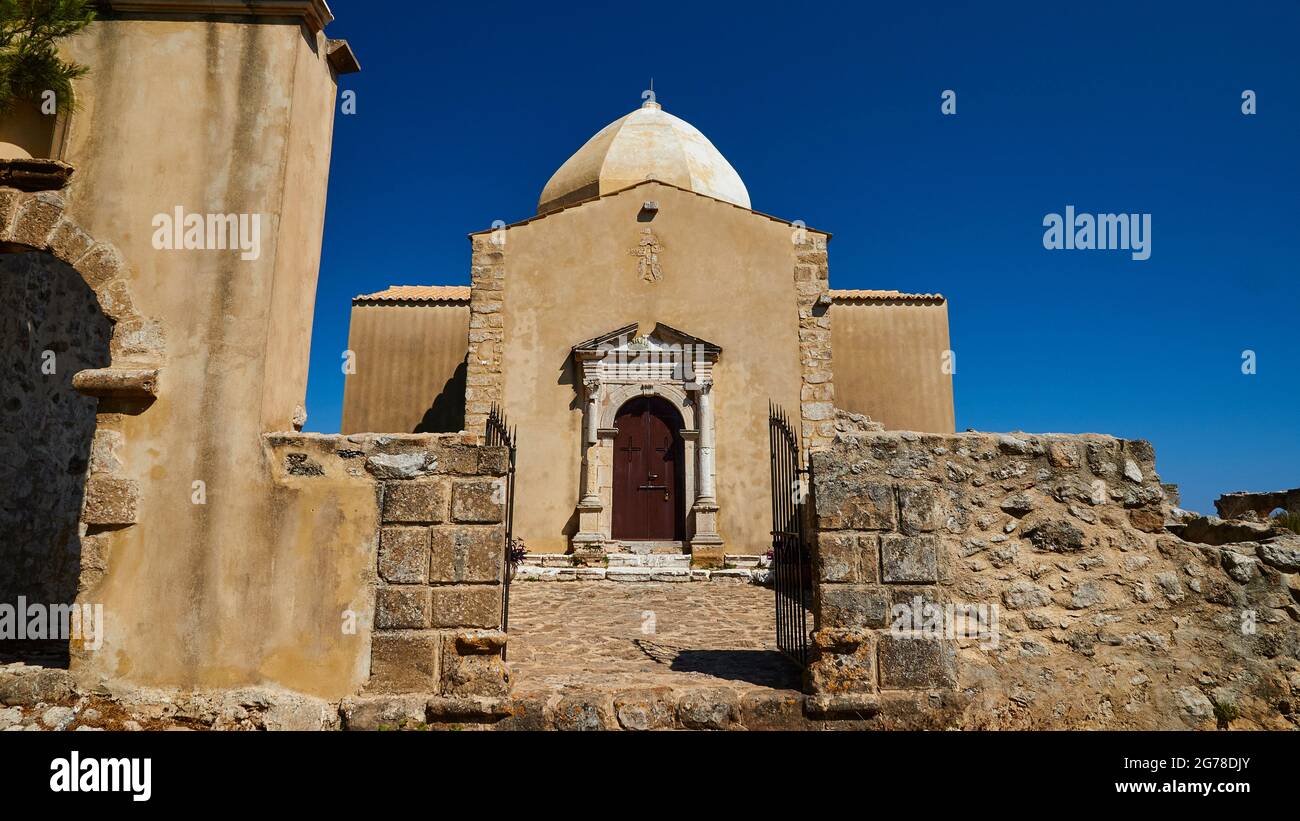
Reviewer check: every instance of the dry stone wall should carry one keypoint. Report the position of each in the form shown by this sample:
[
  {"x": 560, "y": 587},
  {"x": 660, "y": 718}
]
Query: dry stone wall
[{"x": 1016, "y": 581}]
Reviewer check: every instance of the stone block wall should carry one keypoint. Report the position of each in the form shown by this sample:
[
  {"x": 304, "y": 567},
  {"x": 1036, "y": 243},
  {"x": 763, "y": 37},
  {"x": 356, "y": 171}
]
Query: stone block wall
[
  {"x": 812, "y": 293},
  {"x": 1015, "y": 581},
  {"x": 440, "y": 567},
  {"x": 485, "y": 369},
  {"x": 421, "y": 517}
]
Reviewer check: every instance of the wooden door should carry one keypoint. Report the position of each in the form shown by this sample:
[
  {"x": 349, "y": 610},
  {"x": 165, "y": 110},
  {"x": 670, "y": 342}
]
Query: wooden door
[{"x": 648, "y": 472}]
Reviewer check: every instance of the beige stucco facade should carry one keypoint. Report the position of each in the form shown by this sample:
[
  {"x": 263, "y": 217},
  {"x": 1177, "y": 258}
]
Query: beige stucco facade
[
  {"x": 238, "y": 118},
  {"x": 213, "y": 570},
  {"x": 728, "y": 278}
]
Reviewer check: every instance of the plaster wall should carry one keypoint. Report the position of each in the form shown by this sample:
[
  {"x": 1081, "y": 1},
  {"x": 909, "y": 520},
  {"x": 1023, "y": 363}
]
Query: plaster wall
[
  {"x": 215, "y": 116},
  {"x": 728, "y": 278},
  {"x": 889, "y": 363},
  {"x": 410, "y": 373},
  {"x": 25, "y": 132}
]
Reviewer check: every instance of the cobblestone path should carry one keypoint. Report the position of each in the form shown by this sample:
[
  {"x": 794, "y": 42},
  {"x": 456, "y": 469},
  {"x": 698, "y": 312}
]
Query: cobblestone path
[{"x": 603, "y": 635}]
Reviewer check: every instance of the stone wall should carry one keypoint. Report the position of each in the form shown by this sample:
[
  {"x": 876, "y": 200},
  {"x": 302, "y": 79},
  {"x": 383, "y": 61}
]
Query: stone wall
[
  {"x": 1242, "y": 503},
  {"x": 441, "y": 562},
  {"x": 424, "y": 514},
  {"x": 1017, "y": 581},
  {"x": 485, "y": 370},
  {"x": 812, "y": 294}
]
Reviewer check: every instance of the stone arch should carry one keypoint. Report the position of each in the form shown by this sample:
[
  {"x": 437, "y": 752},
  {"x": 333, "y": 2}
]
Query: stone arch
[
  {"x": 620, "y": 394},
  {"x": 36, "y": 222}
]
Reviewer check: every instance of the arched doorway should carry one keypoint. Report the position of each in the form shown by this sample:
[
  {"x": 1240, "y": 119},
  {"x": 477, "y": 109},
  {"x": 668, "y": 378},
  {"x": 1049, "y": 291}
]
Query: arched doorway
[
  {"x": 77, "y": 358},
  {"x": 649, "y": 472},
  {"x": 51, "y": 327}
]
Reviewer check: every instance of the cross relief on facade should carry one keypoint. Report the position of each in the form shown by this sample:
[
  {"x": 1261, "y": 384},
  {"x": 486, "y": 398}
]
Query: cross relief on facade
[{"x": 647, "y": 252}]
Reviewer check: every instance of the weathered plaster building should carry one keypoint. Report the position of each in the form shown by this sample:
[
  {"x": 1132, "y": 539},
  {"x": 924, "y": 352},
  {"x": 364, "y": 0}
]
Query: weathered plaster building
[
  {"x": 635, "y": 330},
  {"x": 188, "y": 355},
  {"x": 262, "y": 577}
]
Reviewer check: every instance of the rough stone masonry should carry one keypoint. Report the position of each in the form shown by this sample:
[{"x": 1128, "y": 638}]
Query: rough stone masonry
[{"x": 1103, "y": 619}]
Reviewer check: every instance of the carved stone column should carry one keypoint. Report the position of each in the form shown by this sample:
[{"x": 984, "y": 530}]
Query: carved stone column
[
  {"x": 704, "y": 407},
  {"x": 588, "y": 543},
  {"x": 706, "y": 544}
]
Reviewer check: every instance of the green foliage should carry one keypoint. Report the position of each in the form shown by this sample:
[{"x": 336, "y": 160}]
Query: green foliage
[
  {"x": 29, "y": 51},
  {"x": 1225, "y": 712},
  {"x": 1288, "y": 521}
]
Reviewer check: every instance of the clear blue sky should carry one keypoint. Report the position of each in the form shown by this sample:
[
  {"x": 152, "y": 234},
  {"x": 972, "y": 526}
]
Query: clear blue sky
[{"x": 831, "y": 115}]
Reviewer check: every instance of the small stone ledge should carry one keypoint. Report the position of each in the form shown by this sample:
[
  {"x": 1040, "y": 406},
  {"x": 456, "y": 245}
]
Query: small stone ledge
[
  {"x": 110, "y": 502},
  {"x": 34, "y": 174},
  {"x": 139, "y": 384}
]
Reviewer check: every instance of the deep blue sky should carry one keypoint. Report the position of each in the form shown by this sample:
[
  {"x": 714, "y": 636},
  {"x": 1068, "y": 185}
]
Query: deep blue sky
[{"x": 831, "y": 115}]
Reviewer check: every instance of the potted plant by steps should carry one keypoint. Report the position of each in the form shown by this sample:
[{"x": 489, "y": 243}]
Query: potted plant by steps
[
  {"x": 515, "y": 557},
  {"x": 36, "y": 84}
]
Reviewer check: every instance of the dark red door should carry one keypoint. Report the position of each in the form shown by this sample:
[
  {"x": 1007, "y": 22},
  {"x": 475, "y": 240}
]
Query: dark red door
[{"x": 648, "y": 474}]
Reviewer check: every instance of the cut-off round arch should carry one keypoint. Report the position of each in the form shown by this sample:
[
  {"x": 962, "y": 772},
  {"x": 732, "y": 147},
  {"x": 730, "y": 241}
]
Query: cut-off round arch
[{"x": 39, "y": 222}]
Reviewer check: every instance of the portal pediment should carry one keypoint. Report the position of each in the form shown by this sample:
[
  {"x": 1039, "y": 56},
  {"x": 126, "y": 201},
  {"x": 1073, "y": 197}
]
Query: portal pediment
[{"x": 663, "y": 355}]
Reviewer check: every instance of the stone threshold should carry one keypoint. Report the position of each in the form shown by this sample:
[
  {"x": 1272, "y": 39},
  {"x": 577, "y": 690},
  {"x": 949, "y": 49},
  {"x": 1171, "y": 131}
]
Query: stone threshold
[
  {"x": 36, "y": 698},
  {"x": 653, "y": 708},
  {"x": 737, "y": 575},
  {"x": 642, "y": 567}
]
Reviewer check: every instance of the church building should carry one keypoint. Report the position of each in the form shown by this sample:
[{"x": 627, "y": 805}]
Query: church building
[{"x": 636, "y": 331}]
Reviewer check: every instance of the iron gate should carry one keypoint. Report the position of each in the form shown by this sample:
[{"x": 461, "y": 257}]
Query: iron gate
[
  {"x": 498, "y": 433},
  {"x": 790, "y": 565}
]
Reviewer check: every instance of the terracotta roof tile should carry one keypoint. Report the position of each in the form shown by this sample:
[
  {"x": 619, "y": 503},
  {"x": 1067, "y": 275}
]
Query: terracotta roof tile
[
  {"x": 417, "y": 293},
  {"x": 882, "y": 296}
]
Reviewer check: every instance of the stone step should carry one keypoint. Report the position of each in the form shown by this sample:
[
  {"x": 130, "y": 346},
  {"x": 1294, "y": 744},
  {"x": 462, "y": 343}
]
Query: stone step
[
  {"x": 738, "y": 575},
  {"x": 735, "y": 575},
  {"x": 646, "y": 548},
  {"x": 648, "y": 574},
  {"x": 648, "y": 560}
]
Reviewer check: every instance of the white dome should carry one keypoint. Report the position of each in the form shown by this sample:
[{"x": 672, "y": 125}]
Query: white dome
[{"x": 649, "y": 143}]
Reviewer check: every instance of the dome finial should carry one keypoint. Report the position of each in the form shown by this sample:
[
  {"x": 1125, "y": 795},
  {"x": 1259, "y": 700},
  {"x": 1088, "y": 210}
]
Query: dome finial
[{"x": 649, "y": 96}]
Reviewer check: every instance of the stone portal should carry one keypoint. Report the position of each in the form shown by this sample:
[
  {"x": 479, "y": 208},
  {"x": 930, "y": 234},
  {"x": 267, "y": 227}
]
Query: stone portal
[{"x": 672, "y": 373}]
